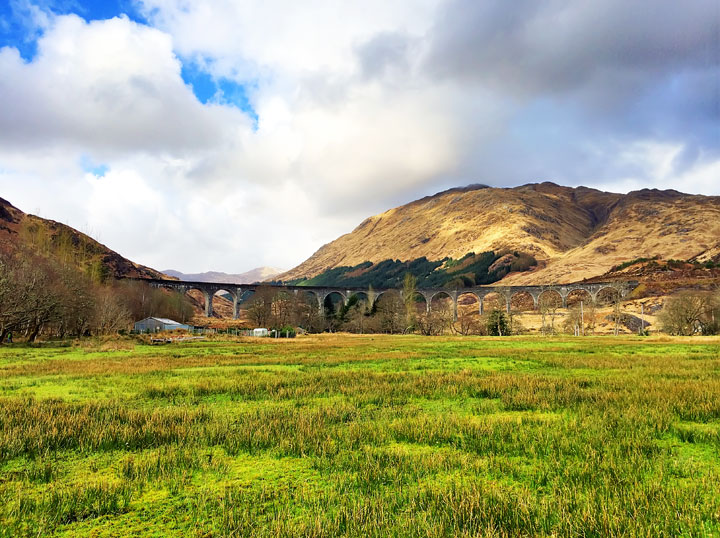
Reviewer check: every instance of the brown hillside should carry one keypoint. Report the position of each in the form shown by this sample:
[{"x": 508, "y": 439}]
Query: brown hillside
[
  {"x": 575, "y": 233},
  {"x": 19, "y": 230}
]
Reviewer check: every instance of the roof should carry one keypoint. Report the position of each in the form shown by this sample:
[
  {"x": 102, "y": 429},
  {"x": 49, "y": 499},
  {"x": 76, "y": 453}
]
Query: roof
[{"x": 165, "y": 321}]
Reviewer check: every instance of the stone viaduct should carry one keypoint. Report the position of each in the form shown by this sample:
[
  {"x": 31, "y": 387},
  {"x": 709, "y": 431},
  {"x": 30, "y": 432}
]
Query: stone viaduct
[{"x": 240, "y": 292}]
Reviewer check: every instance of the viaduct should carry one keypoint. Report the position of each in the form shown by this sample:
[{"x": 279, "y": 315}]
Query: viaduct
[{"x": 241, "y": 292}]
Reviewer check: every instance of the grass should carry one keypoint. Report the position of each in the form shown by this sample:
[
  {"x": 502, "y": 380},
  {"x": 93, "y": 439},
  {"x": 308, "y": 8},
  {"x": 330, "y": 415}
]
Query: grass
[{"x": 340, "y": 435}]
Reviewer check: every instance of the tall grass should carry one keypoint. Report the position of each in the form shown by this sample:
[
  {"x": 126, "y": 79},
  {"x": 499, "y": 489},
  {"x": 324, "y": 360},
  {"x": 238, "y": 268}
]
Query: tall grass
[{"x": 370, "y": 437}]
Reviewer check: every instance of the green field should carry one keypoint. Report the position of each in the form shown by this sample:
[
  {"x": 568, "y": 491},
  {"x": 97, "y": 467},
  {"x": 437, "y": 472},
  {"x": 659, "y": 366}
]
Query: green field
[{"x": 338, "y": 435}]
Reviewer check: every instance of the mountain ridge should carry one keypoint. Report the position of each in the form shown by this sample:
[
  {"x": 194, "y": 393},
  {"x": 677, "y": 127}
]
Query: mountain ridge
[
  {"x": 257, "y": 274},
  {"x": 573, "y": 232},
  {"x": 20, "y": 230}
]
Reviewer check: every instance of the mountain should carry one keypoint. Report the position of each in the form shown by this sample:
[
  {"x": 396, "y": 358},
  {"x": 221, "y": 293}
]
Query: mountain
[
  {"x": 254, "y": 275},
  {"x": 573, "y": 233},
  {"x": 19, "y": 230}
]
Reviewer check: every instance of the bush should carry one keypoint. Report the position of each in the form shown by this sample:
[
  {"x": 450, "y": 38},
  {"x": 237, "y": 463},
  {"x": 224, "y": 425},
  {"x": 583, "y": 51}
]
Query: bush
[{"x": 283, "y": 332}]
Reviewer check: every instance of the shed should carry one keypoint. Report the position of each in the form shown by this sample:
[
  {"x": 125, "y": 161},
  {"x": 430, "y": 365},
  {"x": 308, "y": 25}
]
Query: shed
[
  {"x": 260, "y": 332},
  {"x": 159, "y": 324}
]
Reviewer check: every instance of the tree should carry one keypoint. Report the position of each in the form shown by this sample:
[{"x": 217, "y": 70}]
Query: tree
[
  {"x": 548, "y": 304},
  {"x": 497, "y": 324},
  {"x": 685, "y": 313},
  {"x": 355, "y": 314},
  {"x": 711, "y": 323},
  {"x": 260, "y": 309},
  {"x": 409, "y": 290},
  {"x": 468, "y": 322},
  {"x": 307, "y": 314},
  {"x": 77, "y": 303},
  {"x": 573, "y": 322},
  {"x": 111, "y": 314},
  {"x": 282, "y": 309},
  {"x": 390, "y": 312}
]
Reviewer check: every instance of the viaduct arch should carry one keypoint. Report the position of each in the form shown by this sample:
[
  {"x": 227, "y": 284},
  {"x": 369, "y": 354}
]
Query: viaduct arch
[{"x": 236, "y": 291}]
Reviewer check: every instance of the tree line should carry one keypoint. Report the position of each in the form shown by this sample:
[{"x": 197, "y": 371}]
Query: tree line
[
  {"x": 470, "y": 270},
  {"x": 391, "y": 313},
  {"x": 40, "y": 295},
  {"x": 686, "y": 313},
  {"x": 48, "y": 297}
]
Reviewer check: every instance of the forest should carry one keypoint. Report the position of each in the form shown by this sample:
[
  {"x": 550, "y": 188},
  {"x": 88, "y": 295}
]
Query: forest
[{"x": 470, "y": 270}]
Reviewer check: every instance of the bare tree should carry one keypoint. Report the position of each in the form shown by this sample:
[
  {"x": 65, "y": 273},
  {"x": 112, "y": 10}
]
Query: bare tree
[
  {"x": 468, "y": 322},
  {"x": 548, "y": 304},
  {"x": 409, "y": 290},
  {"x": 573, "y": 322},
  {"x": 111, "y": 315},
  {"x": 306, "y": 313},
  {"x": 685, "y": 313},
  {"x": 390, "y": 313},
  {"x": 437, "y": 321},
  {"x": 356, "y": 316},
  {"x": 260, "y": 309},
  {"x": 616, "y": 300}
]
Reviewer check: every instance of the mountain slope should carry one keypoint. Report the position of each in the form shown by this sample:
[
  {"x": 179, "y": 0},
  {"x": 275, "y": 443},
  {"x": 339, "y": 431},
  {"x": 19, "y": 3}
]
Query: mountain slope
[
  {"x": 574, "y": 233},
  {"x": 254, "y": 275},
  {"x": 19, "y": 230}
]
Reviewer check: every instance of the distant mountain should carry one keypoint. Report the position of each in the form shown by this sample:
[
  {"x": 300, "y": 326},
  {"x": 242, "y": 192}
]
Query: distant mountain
[
  {"x": 573, "y": 233},
  {"x": 19, "y": 230},
  {"x": 258, "y": 274}
]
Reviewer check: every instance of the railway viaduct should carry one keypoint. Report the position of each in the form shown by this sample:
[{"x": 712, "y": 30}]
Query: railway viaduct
[{"x": 240, "y": 292}]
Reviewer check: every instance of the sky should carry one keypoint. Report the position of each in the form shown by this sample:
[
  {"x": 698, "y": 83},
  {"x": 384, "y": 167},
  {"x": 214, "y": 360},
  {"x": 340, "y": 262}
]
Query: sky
[{"x": 230, "y": 134}]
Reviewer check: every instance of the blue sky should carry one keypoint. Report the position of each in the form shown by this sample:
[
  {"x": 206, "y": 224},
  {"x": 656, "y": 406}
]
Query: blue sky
[
  {"x": 17, "y": 29},
  {"x": 20, "y": 31},
  {"x": 175, "y": 126}
]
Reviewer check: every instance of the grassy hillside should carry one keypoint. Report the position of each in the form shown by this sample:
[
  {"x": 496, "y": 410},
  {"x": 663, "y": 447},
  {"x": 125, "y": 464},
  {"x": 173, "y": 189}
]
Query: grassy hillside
[
  {"x": 65, "y": 245},
  {"x": 331, "y": 435},
  {"x": 574, "y": 233}
]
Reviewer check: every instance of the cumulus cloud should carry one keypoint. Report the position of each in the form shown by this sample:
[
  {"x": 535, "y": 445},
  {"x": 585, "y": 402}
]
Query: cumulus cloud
[
  {"x": 351, "y": 107},
  {"x": 112, "y": 85}
]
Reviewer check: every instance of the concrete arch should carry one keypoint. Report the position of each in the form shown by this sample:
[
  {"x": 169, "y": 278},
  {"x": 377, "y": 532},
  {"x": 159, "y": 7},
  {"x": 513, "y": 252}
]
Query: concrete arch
[
  {"x": 467, "y": 301},
  {"x": 385, "y": 293},
  {"x": 310, "y": 295},
  {"x": 472, "y": 293},
  {"x": 362, "y": 300},
  {"x": 439, "y": 293},
  {"x": 361, "y": 295},
  {"x": 308, "y": 302},
  {"x": 244, "y": 297},
  {"x": 451, "y": 295},
  {"x": 329, "y": 304},
  {"x": 523, "y": 300},
  {"x": 575, "y": 295},
  {"x": 233, "y": 298},
  {"x": 494, "y": 298},
  {"x": 420, "y": 297},
  {"x": 551, "y": 297},
  {"x": 607, "y": 294},
  {"x": 206, "y": 294}
]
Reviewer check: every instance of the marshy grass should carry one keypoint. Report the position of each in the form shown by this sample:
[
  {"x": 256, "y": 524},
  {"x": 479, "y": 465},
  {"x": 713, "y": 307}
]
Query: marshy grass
[{"x": 363, "y": 436}]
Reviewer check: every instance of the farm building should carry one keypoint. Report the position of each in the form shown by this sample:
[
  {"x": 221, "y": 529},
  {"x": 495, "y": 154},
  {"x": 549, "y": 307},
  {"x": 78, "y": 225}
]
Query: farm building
[
  {"x": 159, "y": 324},
  {"x": 260, "y": 332}
]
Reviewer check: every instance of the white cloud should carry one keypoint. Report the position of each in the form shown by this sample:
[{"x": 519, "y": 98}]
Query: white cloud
[
  {"x": 113, "y": 86},
  {"x": 360, "y": 104}
]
